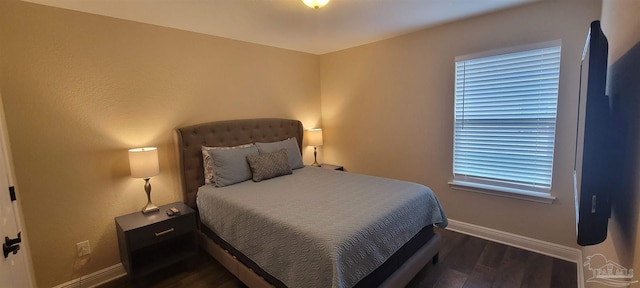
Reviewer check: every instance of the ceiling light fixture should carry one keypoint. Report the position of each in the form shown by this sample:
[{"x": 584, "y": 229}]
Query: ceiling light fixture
[{"x": 315, "y": 3}]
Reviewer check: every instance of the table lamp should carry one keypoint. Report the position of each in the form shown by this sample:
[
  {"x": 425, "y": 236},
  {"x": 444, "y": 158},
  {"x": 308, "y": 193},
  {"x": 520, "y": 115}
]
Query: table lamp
[
  {"x": 144, "y": 164},
  {"x": 315, "y": 139}
]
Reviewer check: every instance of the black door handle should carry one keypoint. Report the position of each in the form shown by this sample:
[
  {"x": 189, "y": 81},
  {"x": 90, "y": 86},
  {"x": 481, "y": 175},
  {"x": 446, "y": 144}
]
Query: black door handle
[
  {"x": 11, "y": 242},
  {"x": 6, "y": 250},
  {"x": 11, "y": 245}
]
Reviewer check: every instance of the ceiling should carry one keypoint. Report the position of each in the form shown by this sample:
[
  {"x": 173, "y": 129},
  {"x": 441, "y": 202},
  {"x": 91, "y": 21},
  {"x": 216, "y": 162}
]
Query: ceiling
[{"x": 290, "y": 24}]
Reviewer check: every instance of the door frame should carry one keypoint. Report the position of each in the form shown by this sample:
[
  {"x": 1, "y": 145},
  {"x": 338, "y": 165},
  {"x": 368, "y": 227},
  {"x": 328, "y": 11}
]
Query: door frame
[{"x": 25, "y": 248}]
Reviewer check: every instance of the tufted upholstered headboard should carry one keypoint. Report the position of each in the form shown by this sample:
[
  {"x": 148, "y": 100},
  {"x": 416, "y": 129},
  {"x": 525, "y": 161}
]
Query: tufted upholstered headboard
[{"x": 225, "y": 134}]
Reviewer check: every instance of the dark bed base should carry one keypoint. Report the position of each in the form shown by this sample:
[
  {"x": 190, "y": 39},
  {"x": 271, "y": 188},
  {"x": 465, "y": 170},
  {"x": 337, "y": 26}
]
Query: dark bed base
[
  {"x": 378, "y": 276},
  {"x": 375, "y": 279}
]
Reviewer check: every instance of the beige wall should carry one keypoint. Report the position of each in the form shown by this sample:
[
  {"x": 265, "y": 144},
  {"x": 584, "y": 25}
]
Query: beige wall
[
  {"x": 387, "y": 109},
  {"x": 80, "y": 89},
  {"x": 621, "y": 25}
]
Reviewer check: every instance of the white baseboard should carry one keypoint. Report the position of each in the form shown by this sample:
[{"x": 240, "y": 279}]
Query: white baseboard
[
  {"x": 546, "y": 248},
  {"x": 580, "y": 266},
  {"x": 526, "y": 243},
  {"x": 96, "y": 278}
]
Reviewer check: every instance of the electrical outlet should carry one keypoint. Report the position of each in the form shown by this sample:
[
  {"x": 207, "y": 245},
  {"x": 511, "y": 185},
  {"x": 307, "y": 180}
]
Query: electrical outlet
[{"x": 83, "y": 248}]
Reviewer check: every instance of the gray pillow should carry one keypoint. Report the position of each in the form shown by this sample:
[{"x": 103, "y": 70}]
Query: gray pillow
[
  {"x": 269, "y": 165},
  {"x": 230, "y": 164},
  {"x": 291, "y": 145},
  {"x": 208, "y": 162}
]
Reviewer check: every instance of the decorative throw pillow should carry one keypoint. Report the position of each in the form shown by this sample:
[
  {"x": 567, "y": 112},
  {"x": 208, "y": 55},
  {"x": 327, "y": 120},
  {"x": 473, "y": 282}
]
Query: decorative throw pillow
[
  {"x": 269, "y": 165},
  {"x": 208, "y": 165},
  {"x": 230, "y": 164},
  {"x": 291, "y": 147}
]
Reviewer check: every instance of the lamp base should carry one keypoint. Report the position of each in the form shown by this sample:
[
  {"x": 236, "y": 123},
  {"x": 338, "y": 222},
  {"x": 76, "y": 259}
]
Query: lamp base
[
  {"x": 315, "y": 157},
  {"x": 150, "y": 208}
]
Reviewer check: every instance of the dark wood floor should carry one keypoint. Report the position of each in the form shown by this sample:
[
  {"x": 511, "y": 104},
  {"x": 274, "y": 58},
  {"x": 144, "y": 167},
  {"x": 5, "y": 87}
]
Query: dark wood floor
[
  {"x": 468, "y": 262},
  {"x": 465, "y": 261}
]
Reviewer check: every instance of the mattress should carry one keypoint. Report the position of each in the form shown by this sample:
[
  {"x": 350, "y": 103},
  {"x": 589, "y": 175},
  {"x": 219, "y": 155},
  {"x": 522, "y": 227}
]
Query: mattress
[{"x": 319, "y": 227}]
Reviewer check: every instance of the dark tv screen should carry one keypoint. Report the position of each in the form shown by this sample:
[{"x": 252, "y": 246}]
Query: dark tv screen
[{"x": 594, "y": 170}]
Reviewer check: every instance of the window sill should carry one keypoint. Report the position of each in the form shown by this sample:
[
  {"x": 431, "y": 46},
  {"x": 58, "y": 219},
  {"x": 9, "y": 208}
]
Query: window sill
[{"x": 503, "y": 191}]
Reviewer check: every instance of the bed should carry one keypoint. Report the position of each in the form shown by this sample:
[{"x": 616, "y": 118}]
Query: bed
[{"x": 302, "y": 229}]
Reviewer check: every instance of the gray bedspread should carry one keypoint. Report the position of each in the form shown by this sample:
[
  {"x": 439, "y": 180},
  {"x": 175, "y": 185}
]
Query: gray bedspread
[{"x": 319, "y": 227}]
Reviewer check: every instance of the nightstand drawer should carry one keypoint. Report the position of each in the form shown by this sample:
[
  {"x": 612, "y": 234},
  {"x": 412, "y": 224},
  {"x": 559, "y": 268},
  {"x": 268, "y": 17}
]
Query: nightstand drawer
[{"x": 161, "y": 231}]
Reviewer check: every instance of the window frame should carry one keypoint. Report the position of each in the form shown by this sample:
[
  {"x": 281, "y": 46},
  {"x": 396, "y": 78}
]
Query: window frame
[{"x": 498, "y": 187}]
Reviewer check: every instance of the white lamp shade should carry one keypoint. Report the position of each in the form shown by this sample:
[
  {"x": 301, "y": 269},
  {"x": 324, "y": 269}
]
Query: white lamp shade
[
  {"x": 144, "y": 162},
  {"x": 314, "y": 137}
]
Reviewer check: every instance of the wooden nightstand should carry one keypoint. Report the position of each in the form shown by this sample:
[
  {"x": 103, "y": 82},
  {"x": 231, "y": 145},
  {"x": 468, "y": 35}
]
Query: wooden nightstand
[
  {"x": 150, "y": 242},
  {"x": 332, "y": 167}
]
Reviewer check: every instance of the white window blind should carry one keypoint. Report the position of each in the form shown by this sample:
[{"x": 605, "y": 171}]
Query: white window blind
[{"x": 505, "y": 118}]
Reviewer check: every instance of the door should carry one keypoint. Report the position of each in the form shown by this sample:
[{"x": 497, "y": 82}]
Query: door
[{"x": 13, "y": 268}]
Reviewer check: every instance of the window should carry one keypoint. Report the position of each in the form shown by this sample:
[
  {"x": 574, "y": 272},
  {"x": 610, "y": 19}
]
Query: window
[{"x": 505, "y": 119}]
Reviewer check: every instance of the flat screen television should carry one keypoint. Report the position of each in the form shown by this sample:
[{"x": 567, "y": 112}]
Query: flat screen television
[{"x": 595, "y": 168}]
